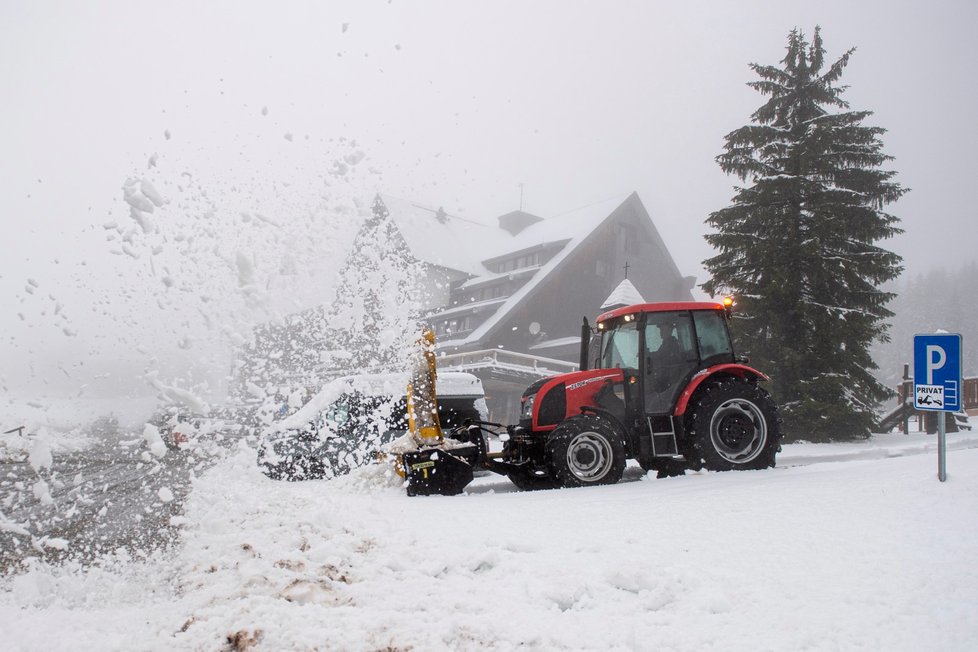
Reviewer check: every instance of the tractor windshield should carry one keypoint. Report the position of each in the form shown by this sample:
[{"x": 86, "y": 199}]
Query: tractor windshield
[{"x": 619, "y": 347}]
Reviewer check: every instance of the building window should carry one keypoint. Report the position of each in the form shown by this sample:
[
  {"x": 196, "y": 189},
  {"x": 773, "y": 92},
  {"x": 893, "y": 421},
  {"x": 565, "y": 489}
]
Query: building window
[{"x": 520, "y": 262}]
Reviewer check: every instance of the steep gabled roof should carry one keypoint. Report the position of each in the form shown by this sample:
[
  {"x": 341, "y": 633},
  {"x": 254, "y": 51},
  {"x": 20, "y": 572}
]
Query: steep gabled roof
[
  {"x": 569, "y": 227},
  {"x": 465, "y": 245},
  {"x": 574, "y": 228},
  {"x": 440, "y": 238}
]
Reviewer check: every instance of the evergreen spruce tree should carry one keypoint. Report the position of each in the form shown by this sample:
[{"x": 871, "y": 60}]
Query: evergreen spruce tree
[{"x": 798, "y": 246}]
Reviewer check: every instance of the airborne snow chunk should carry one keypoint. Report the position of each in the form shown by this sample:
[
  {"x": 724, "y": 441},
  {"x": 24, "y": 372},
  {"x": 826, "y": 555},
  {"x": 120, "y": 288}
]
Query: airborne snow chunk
[
  {"x": 177, "y": 395},
  {"x": 246, "y": 269},
  {"x": 142, "y": 219},
  {"x": 151, "y": 435},
  {"x": 134, "y": 196},
  {"x": 150, "y": 193},
  {"x": 40, "y": 456}
]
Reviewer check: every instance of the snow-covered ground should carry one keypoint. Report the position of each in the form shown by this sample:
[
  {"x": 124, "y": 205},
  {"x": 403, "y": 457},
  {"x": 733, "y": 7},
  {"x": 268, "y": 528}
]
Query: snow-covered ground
[{"x": 853, "y": 546}]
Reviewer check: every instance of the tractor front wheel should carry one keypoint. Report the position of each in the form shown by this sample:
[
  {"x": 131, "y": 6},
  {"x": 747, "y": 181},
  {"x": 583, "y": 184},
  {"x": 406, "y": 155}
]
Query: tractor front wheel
[
  {"x": 735, "y": 425},
  {"x": 585, "y": 450}
]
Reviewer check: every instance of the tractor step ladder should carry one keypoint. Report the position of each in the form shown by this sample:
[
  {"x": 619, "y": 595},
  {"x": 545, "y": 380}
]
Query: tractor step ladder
[{"x": 663, "y": 441}]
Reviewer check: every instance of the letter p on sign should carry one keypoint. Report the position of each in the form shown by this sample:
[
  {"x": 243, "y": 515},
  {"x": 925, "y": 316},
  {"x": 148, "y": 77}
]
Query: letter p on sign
[{"x": 936, "y": 358}]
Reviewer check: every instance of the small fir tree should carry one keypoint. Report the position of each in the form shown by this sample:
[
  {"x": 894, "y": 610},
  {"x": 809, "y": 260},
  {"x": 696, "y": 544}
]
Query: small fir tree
[
  {"x": 379, "y": 296},
  {"x": 798, "y": 246},
  {"x": 370, "y": 326}
]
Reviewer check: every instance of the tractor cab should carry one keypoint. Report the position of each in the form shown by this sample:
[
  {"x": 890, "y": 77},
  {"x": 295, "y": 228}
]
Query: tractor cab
[{"x": 660, "y": 347}]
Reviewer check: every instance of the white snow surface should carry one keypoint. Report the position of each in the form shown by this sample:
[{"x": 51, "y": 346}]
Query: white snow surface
[{"x": 842, "y": 547}]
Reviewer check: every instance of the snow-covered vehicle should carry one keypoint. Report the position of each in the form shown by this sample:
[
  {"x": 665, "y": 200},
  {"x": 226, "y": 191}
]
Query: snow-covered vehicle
[
  {"x": 181, "y": 430},
  {"x": 352, "y": 418}
]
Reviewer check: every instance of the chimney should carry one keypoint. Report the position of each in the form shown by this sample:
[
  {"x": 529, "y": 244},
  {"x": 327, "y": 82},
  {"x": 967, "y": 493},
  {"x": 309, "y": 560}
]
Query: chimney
[{"x": 517, "y": 221}]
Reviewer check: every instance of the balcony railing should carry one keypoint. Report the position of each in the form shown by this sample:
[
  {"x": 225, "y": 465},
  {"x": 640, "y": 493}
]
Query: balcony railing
[{"x": 502, "y": 357}]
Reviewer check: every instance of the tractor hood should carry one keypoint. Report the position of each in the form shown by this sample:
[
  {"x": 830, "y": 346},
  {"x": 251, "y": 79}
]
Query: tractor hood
[{"x": 550, "y": 400}]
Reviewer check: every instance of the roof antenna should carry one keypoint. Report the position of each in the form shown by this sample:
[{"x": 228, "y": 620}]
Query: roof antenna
[{"x": 626, "y": 269}]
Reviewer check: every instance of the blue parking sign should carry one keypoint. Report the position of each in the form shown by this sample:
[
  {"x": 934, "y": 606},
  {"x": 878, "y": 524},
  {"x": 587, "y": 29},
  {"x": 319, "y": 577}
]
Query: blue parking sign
[{"x": 937, "y": 372}]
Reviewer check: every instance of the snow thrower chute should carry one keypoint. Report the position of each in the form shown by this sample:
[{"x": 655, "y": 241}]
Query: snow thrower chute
[
  {"x": 434, "y": 465},
  {"x": 422, "y": 403}
]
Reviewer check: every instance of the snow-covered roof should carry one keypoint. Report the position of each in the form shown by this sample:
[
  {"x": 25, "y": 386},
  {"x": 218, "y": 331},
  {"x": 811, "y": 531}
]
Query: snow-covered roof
[
  {"x": 490, "y": 278},
  {"x": 440, "y": 238},
  {"x": 623, "y": 295},
  {"x": 443, "y": 239},
  {"x": 464, "y": 244},
  {"x": 573, "y": 227}
]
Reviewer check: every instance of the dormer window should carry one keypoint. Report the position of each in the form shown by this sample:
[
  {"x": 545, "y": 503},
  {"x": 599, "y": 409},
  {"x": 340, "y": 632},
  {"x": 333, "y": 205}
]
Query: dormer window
[{"x": 520, "y": 262}]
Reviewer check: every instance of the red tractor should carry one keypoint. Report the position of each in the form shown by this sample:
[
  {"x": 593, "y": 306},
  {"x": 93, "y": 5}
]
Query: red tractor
[{"x": 663, "y": 387}]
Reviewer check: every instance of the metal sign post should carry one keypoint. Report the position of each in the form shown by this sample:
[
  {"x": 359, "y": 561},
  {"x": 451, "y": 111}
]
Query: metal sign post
[{"x": 937, "y": 383}]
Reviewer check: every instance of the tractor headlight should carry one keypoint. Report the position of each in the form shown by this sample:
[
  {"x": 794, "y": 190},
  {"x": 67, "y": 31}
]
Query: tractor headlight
[{"x": 528, "y": 407}]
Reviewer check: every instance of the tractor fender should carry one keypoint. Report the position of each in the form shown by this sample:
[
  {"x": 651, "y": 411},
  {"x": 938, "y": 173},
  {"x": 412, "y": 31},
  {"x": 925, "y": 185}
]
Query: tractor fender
[{"x": 701, "y": 376}]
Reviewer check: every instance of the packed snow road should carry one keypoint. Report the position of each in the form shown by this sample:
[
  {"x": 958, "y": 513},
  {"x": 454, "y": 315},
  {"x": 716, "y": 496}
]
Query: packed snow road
[{"x": 866, "y": 552}]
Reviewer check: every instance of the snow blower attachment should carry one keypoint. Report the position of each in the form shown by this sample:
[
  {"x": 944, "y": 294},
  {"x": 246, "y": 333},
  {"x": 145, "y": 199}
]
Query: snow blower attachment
[{"x": 436, "y": 465}]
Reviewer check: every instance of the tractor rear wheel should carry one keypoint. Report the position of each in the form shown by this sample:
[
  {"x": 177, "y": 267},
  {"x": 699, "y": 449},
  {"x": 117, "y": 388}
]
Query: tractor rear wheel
[
  {"x": 735, "y": 425},
  {"x": 585, "y": 450}
]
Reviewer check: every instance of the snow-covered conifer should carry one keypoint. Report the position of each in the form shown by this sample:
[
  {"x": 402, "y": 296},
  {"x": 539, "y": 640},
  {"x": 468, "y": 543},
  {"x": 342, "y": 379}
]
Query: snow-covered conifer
[{"x": 799, "y": 244}]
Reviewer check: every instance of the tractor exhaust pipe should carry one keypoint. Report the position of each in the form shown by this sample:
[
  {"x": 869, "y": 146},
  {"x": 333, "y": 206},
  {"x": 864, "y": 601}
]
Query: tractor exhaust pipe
[{"x": 585, "y": 344}]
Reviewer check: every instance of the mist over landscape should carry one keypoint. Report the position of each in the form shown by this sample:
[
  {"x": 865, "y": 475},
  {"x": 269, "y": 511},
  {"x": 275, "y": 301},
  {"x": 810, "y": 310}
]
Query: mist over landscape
[
  {"x": 266, "y": 132},
  {"x": 210, "y": 251}
]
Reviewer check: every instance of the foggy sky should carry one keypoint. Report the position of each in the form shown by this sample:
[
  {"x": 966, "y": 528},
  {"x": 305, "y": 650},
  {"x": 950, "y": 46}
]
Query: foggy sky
[{"x": 454, "y": 104}]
